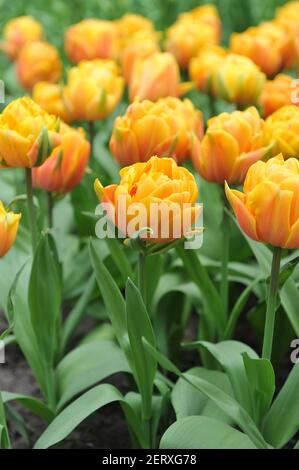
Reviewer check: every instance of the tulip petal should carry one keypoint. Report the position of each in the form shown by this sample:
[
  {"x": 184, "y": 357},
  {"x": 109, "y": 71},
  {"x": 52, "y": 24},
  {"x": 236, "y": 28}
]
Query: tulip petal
[{"x": 243, "y": 215}]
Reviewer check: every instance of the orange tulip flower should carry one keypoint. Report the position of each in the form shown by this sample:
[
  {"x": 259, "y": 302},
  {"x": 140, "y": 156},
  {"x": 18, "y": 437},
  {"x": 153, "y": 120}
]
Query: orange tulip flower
[
  {"x": 156, "y": 77},
  {"x": 232, "y": 143},
  {"x": 268, "y": 209},
  {"x": 92, "y": 39},
  {"x": 278, "y": 93},
  {"x": 168, "y": 127},
  {"x": 27, "y": 134},
  {"x": 65, "y": 167},
  {"x": 204, "y": 65},
  {"x": 38, "y": 61},
  {"x": 152, "y": 184},
  {"x": 18, "y": 32}
]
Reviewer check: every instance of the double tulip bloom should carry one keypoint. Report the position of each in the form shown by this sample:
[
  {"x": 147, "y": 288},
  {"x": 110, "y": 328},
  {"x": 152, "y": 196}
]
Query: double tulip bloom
[
  {"x": 92, "y": 39},
  {"x": 193, "y": 31},
  {"x": 9, "y": 224},
  {"x": 204, "y": 65},
  {"x": 27, "y": 134},
  {"x": 38, "y": 61},
  {"x": 268, "y": 209},
  {"x": 155, "y": 182},
  {"x": 168, "y": 127},
  {"x": 238, "y": 80},
  {"x": 278, "y": 93},
  {"x": 93, "y": 90},
  {"x": 287, "y": 17},
  {"x": 156, "y": 77},
  {"x": 282, "y": 131},
  {"x": 18, "y": 33},
  {"x": 65, "y": 167},
  {"x": 232, "y": 143},
  {"x": 267, "y": 45},
  {"x": 50, "y": 97}
]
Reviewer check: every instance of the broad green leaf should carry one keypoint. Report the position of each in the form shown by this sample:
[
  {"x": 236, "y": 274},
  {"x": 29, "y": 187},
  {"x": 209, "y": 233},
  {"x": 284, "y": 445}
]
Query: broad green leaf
[
  {"x": 33, "y": 404},
  {"x": 139, "y": 325},
  {"x": 289, "y": 296},
  {"x": 228, "y": 404},
  {"x": 282, "y": 420},
  {"x": 188, "y": 401},
  {"x": 45, "y": 298},
  {"x": 229, "y": 355},
  {"x": 118, "y": 254},
  {"x": 114, "y": 301},
  {"x": 79, "y": 410},
  {"x": 85, "y": 366},
  {"x": 261, "y": 381},
  {"x": 202, "y": 432}
]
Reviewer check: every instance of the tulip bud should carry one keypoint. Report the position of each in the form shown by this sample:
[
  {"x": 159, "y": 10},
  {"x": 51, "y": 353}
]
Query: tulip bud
[
  {"x": 19, "y": 32},
  {"x": 38, "y": 61},
  {"x": 27, "y": 134},
  {"x": 65, "y": 167},
  {"x": 238, "y": 80},
  {"x": 232, "y": 143},
  {"x": 9, "y": 224},
  {"x": 50, "y": 97},
  {"x": 281, "y": 131},
  {"x": 168, "y": 127},
  {"x": 152, "y": 185},
  {"x": 92, "y": 39},
  {"x": 156, "y": 77},
  {"x": 93, "y": 90},
  {"x": 268, "y": 209}
]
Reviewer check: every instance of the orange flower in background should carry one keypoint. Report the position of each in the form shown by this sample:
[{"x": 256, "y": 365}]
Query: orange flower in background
[
  {"x": 281, "y": 91},
  {"x": 130, "y": 24},
  {"x": 27, "y": 134},
  {"x": 287, "y": 17},
  {"x": 168, "y": 127},
  {"x": 203, "y": 66},
  {"x": 65, "y": 167},
  {"x": 141, "y": 45},
  {"x": 18, "y": 32},
  {"x": 282, "y": 131},
  {"x": 93, "y": 90},
  {"x": 156, "y": 77},
  {"x": 50, "y": 97},
  {"x": 37, "y": 62},
  {"x": 193, "y": 31},
  {"x": 267, "y": 45},
  {"x": 157, "y": 181},
  {"x": 92, "y": 39},
  {"x": 232, "y": 143},
  {"x": 268, "y": 209},
  {"x": 9, "y": 224},
  {"x": 238, "y": 80}
]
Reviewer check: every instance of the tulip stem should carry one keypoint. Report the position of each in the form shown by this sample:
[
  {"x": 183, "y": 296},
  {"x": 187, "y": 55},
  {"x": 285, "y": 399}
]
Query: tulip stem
[
  {"x": 271, "y": 304},
  {"x": 224, "y": 285},
  {"x": 30, "y": 205},
  {"x": 142, "y": 276}
]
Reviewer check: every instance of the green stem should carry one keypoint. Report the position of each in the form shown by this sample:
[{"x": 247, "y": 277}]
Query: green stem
[
  {"x": 142, "y": 276},
  {"x": 271, "y": 304},
  {"x": 50, "y": 209},
  {"x": 224, "y": 285},
  {"x": 30, "y": 205}
]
